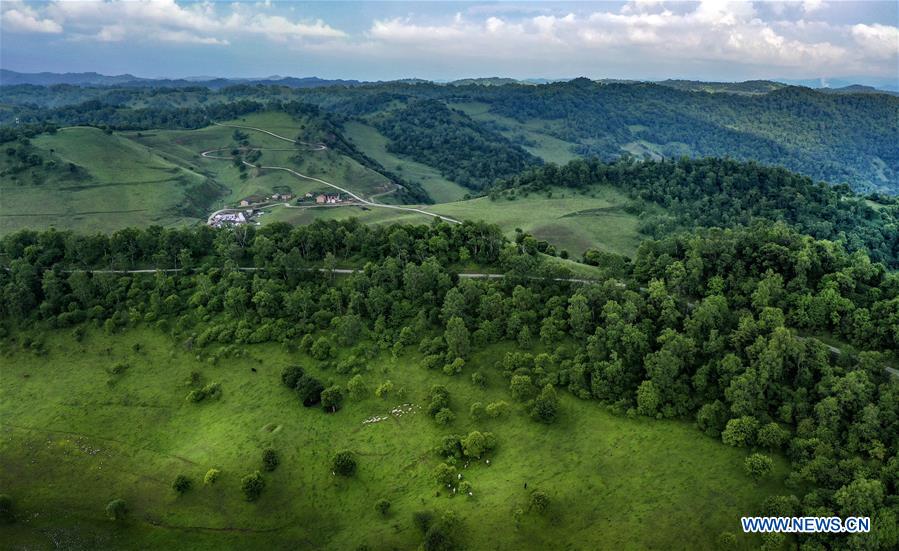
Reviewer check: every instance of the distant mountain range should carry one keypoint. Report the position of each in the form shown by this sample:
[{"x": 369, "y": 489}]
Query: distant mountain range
[{"x": 749, "y": 87}]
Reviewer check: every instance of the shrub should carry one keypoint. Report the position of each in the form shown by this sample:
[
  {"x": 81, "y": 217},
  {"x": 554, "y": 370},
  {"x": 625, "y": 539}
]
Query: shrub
[
  {"x": 322, "y": 349},
  {"x": 444, "y": 474},
  {"x": 181, "y": 484},
  {"x": 309, "y": 390},
  {"x": 117, "y": 509},
  {"x": 477, "y": 411},
  {"x": 758, "y": 466},
  {"x": 211, "y": 476},
  {"x": 343, "y": 463},
  {"x": 252, "y": 486},
  {"x": 270, "y": 459},
  {"x": 291, "y": 374},
  {"x": 6, "y": 509},
  {"x": 357, "y": 388},
  {"x": 546, "y": 406},
  {"x": 539, "y": 502},
  {"x": 477, "y": 443},
  {"x": 497, "y": 409},
  {"x": 384, "y": 389},
  {"x": 382, "y": 506},
  {"x": 331, "y": 398},
  {"x": 445, "y": 417}
]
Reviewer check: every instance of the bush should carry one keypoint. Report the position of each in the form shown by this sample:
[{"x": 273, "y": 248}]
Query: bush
[
  {"x": 309, "y": 390},
  {"x": 382, "y": 506},
  {"x": 444, "y": 474},
  {"x": 445, "y": 417},
  {"x": 6, "y": 509},
  {"x": 539, "y": 502},
  {"x": 477, "y": 411},
  {"x": 758, "y": 466},
  {"x": 332, "y": 397},
  {"x": 343, "y": 463},
  {"x": 546, "y": 406},
  {"x": 181, "y": 484},
  {"x": 117, "y": 509},
  {"x": 211, "y": 476},
  {"x": 497, "y": 409},
  {"x": 322, "y": 349},
  {"x": 252, "y": 486},
  {"x": 291, "y": 375},
  {"x": 270, "y": 459}
]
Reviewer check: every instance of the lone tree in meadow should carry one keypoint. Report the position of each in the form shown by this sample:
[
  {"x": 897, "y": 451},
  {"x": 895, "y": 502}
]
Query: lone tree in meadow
[
  {"x": 270, "y": 459},
  {"x": 117, "y": 509},
  {"x": 181, "y": 484},
  {"x": 252, "y": 486},
  {"x": 758, "y": 466},
  {"x": 343, "y": 463},
  {"x": 332, "y": 398},
  {"x": 546, "y": 406}
]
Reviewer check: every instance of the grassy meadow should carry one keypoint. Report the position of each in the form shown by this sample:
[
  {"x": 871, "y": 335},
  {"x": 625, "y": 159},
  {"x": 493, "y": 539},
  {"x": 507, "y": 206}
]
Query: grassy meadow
[
  {"x": 121, "y": 184},
  {"x": 74, "y": 436}
]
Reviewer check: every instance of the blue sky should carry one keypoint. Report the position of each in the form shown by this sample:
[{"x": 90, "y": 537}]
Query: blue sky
[{"x": 710, "y": 40}]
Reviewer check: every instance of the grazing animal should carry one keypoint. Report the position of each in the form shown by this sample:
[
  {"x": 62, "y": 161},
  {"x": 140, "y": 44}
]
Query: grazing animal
[{"x": 253, "y": 369}]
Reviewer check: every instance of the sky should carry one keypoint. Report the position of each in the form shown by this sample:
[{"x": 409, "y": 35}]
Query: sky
[{"x": 645, "y": 39}]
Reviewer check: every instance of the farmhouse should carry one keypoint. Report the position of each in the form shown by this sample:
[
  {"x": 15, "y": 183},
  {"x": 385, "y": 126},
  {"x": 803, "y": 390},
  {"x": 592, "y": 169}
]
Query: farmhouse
[
  {"x": 252, "y": 199},
  {"x": 328, "y": 199}
]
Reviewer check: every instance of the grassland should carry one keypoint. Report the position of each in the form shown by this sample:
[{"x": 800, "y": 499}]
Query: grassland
[
  {"x": 568, "y": 219},
  {"x": 374, "y": 144},
  {"x": 119, "y": 184},
  {"x": 74, "y": 437},
  {"x": 536, "y": 141}
]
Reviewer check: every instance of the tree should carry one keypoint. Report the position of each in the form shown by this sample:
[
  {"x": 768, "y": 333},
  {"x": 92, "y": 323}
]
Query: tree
[
  {"x": 521, "y": 387},
  {"x": 445, "y": 417},
  {"x": 740, "y": 432},
  {"x": 772, "y": 436},
  {"x": 332, "y": 398},
  {"x": 309, "y": 390},
  {"x": 357, "y": 388},
  {"x": 539, "y": 502},
  {"x": 648, "y": 399},
  {"x": 270, "y": 459},
  {"x": 252, "y": 486},
  {"x": 382, "y": 506},
  {"x": 758, "y": 466},
  {"x": 322, "y": 349},
  {"x": 546, "y": 405},
  {"x": 211, "y": 476},
  {"x": 444, "y": 474},
  {"x": 343, "y": 463},
  {"x": 477, "y": 443},
  {"x": 291, "y": 375},
  {"x": 181, "y": 484},
  {"x": 456, "y": 336},
  {"x": 117, "y": 510},
  {"x": 477, "y": 411}
]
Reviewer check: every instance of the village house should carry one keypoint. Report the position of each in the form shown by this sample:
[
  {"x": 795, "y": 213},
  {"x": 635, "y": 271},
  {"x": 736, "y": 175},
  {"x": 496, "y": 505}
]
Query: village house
[{"x": 328, "y": 199}]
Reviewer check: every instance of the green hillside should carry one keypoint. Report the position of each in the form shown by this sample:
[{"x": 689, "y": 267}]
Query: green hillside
[
  {"x": 89, "y": 440},
  {"x": 92, "y": 180}
]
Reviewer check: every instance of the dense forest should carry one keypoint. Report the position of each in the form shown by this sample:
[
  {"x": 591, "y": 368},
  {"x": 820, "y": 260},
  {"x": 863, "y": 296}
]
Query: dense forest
[
  {"x": 712, "y": 325},
  {"x": 838, "y": 138},
  {"x": 724, "y": 192},
  {"x": 464, "y": 151}
]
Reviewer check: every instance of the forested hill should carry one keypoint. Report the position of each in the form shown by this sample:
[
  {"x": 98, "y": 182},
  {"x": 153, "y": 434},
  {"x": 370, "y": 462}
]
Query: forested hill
[
  {"x": 838, "y": 138},
  {"x": 723, "y": 192}
]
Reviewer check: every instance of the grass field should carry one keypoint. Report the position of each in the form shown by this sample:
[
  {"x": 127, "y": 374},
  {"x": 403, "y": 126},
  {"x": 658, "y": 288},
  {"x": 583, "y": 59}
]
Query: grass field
[
  {"x": 568, "y": 220},
  {"x": 548, "y": 148},
  {"x": 374, "y": 144},
  {"x": 124, "y": 185},
  {"x": 74, "y": 437}
]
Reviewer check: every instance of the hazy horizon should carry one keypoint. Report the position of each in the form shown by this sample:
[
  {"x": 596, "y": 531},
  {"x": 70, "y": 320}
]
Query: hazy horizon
[{"x": 444, "y": 41}]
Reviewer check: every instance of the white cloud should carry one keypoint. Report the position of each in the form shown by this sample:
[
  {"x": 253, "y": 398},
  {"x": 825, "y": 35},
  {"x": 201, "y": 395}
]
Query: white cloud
[
  {"x": 880, "y": 41},
  {"x": 19, "y": 18},
  {"x": 169, "y": 21}
]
